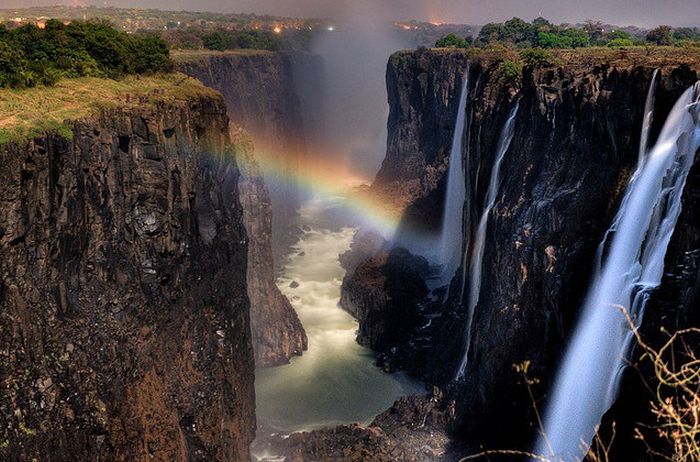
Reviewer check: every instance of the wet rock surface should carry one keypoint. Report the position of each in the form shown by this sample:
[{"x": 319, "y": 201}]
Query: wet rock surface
[
  {"x": 125, "y": 330},
  {"x": 414, "y": 429},
  {"x": 576, "y": 142}
]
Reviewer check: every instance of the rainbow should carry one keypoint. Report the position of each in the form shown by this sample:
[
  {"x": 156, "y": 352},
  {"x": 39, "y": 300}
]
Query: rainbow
[{"x": 320, "y": 178}]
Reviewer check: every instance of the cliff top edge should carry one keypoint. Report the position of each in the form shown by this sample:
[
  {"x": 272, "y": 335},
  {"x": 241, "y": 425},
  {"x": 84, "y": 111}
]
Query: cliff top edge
[
  {"x": 25, "y": 113},
  {"x": 646, "y": 56}
]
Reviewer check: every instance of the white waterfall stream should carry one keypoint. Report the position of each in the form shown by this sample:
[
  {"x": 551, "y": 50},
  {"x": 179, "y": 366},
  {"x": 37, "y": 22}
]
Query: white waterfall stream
[
  {"x": 477, "y": 257},
  {"x": 630, "y": 265},
  {"x": 451, "y": 234}
]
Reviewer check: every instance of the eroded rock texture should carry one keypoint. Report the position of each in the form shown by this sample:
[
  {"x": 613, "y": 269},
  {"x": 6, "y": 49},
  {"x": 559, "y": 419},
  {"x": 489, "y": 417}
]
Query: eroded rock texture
[
  {"x": 277, "y": 332},
  {"x": 575, "y": 144},
  {"x": 261, "y": 96},
  {"x": 125, "y": 330}
]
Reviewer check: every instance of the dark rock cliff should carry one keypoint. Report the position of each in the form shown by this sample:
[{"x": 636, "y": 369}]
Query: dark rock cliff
[
  {"x": 125, "y": 328},
  {"x": 277, "y": 332},
  {"x": 576, "y": 140},
  {"x": 261, "y": 96}
]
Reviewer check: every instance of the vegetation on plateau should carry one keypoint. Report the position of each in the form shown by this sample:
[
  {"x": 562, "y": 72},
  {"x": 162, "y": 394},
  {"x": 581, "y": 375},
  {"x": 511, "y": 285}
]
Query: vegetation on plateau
[
  {"x": 540, "y": 33},
  {"x": 27, "y": 112},
  {"x": 222, "y": 39},
  {"x": 31, "y": 56}
]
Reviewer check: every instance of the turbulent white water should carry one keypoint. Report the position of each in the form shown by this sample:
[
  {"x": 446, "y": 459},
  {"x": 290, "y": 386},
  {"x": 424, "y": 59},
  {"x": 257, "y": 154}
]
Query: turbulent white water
[
  {"x": 476, "y": 262},
  {"x": 335, "y": 381},
  {"x": 449, "y": 245},
  {"x": 631, "y": 262}
]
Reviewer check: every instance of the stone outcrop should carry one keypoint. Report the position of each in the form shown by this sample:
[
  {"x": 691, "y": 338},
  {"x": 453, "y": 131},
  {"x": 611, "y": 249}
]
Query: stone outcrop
[
  {"x": 277, "y": 332},
  {"x": 414, "y": 429},
  {"x": 260, "y": 92},
  {"x": 575, "y": 144},
  {"x": 125, "y": 326}
]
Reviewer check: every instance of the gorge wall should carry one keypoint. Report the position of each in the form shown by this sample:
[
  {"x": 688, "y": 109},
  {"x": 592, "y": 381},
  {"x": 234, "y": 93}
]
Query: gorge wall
[
  {"x": 261, "y": 93},
  {"x": 123, "y": 295},
  {"x": 575, "y": 144}
]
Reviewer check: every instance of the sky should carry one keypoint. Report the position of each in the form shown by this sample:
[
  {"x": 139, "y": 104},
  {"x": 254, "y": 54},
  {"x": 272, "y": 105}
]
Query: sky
[{"x": 621, "y": 12}]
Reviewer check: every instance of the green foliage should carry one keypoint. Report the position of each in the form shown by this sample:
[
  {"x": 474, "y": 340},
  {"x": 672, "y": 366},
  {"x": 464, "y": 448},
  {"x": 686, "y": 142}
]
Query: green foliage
[
  {"x": 249, "y": 39},
  {"x": 541, "y": 33},
  {"x": 620, "y": 42},
  {"x": 661, "y": 35},
  {"x": 453, "y": 41},
  {"x": 509, "y": 73},
  {"x": 32, "y": 56},
  {"x": 538, "y": 57}
]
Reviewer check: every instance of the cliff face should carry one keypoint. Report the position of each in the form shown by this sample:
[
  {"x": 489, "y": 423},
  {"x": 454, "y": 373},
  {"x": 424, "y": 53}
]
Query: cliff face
[
  {"x": 423, "y": 92},
  {"x": 261, "y": 96},
  {"x": 277, "y": 332},
  {"x": 575, "y": 143},
  {"x": 125, "y": 328}
]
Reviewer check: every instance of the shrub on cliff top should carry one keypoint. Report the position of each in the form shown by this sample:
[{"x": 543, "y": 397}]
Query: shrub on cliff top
[
  {"x": 31, "y": 56},
  {"x": 620, "y": 42},
  {"x": 509, "y": 73},
  {"x": 453, "y": 41},
  {"x": 538, "y": 57}
]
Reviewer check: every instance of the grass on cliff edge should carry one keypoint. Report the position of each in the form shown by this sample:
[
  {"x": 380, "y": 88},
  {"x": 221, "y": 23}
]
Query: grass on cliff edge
[
  {"x": 648, "y": 56},
  {"x": 29, "y": 112},
  {"x": 185, "y": 56}
]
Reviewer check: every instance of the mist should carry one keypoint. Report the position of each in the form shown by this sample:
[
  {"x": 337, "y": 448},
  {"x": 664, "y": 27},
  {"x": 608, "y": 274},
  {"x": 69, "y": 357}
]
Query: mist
[{"x": 355, "y": 107}]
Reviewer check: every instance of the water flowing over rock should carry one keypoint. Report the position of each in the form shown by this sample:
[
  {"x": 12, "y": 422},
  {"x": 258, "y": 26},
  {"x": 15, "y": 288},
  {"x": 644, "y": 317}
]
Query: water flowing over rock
[
  {"x": 476, "y": 264},
  {"x": 123, "y": 299},
  {"x": 631, "y": 263},
  {"x": 576, "y": 141}
]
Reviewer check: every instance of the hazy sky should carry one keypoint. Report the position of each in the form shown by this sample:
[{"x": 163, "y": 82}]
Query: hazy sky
[{"x": 621, "y": 12}]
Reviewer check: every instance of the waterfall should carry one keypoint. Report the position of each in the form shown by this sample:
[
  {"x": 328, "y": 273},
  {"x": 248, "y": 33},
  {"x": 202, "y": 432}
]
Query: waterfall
[
  {"x": 629, "y": 266},
  {"x": 648, "y": 117},
  {"x": 476, "y": 262},
  {"x": 449, "y": 245}
]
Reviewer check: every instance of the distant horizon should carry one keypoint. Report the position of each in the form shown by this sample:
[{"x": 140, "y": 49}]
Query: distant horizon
[{"x": 677, "y": 13}]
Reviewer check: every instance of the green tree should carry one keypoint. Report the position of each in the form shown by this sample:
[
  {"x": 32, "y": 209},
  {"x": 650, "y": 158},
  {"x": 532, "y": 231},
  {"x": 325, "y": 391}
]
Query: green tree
[
  {"x": 491, "y": 32},
  {"x": 12, "y": 67},
  {"x": 661, "y": 35},
  {"x": 574, "y": 38},
  {"x": 620, "y": 42},
  {"x": 516, "y": 30},
  {"x": 451, "y": 41}
]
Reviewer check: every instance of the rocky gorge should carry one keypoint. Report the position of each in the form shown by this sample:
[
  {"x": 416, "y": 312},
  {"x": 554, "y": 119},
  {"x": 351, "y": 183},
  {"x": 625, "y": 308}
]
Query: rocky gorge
[
  {"x": 141, "y": 253},
  {"x": 575, "y": 144},
  {"x": 262, "y": 96},
  {"x": 125, "y": 315}
]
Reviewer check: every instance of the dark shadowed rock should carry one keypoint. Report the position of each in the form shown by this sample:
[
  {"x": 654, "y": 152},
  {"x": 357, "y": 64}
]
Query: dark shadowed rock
[
  {"x": 261, "y": 96},
  {"x": 125, "y": 331},
  {"x": 575, "y": 144}
]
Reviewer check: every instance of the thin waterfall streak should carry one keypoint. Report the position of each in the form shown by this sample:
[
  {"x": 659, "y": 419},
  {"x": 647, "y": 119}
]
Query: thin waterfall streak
[
  {"x": 466, "y": 235},
  {"x": 451, "y": 232},
  {"x": 630, "y": 265},
  {"x": 648, "y": 117},
  {"x": 476, "y": 262},
  {"x": 641, "y": 158}
]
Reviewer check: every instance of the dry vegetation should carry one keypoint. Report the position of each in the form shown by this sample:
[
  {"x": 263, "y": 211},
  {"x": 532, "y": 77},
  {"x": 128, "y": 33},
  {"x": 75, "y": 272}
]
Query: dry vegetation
[
  {"x": 648, "y": 56},
  {"x": 183, "y": 56},
  {"x": 28, "y": 112}
]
